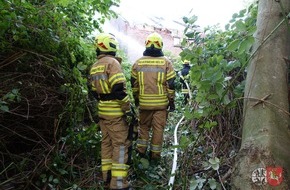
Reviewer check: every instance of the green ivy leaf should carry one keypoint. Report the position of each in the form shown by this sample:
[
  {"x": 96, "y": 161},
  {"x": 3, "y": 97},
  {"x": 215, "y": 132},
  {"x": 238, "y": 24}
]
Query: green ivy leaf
[
  {"x": 55, "y": 181},
  {"x": 235, "y": 15},
  {"x": 81, "y": 66},
  {"x": 233, "y": 46},
  {"x": 190, "y": 34},
  {"x": 193, "y": 184},
  {"x": 240, "y": 26},
  {"x": 50, "y": 178},
  {"x": 212, "y": 183},
  {"x": 145, "y": 163},
  {"x": 246, "y": 44},
  {"x": 64, "y": 3},
  {"x": 242, "y": 13},
  {"x": 185, "y": 19},
  {"x": 226, "y": 100},
  {"x": 187, "y": 114},
  {"x": 214, "y": 160},
  {"x": 149, "y": 187},
  {"x": 252, "y": 30},
  {"x": 213, "y": 97},
  {"x": 184, "y": 142},
  {"x": 232, "y": 64},
  {"x": 197, "y": 183},
  {"x": 214, "y": 163}
]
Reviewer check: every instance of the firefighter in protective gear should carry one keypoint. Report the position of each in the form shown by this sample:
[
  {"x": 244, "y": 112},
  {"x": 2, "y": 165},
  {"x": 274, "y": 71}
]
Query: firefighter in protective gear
[
  {"x": 109, "y": 88},
  {"x": 152, "y": 80},
  {"x": 184, "y": 75}
]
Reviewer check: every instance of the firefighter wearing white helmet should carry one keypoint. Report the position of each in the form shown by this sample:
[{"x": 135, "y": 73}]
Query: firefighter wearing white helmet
[
  {"x": 152, "y": 80},
  {"x": 108, "y": 86}
]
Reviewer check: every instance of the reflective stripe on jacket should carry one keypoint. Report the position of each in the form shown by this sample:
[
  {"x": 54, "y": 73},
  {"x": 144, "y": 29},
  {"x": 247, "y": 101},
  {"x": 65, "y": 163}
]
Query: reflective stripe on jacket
[
  {"x": 151, "y": 82},
  {"x": 105, "y": 74}
]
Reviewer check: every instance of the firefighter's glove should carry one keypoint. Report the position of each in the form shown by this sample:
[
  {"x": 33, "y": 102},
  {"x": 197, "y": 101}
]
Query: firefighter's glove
[{"x": 171, "y": 106}]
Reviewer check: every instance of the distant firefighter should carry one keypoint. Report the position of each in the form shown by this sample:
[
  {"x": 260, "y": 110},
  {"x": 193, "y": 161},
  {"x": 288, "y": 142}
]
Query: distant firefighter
[{"x": 184, "y": 76}]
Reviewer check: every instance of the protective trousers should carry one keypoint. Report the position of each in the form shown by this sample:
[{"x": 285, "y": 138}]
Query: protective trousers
[
  {"x": 155, "y": 120},
  {"x": 114, "y": 152}
]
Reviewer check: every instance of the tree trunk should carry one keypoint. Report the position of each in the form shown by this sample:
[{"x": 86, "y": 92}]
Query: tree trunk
[{"x": 266, "y": 132}]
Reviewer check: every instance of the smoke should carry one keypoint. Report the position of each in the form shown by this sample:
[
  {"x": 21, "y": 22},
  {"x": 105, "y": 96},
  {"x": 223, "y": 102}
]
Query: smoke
[{"x": 132, "y": 48}]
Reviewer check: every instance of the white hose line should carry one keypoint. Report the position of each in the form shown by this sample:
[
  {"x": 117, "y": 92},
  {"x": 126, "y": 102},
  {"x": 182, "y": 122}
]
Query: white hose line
[
  {"x": 190, "y": 95},
  {"x": 174, "y": 164}
]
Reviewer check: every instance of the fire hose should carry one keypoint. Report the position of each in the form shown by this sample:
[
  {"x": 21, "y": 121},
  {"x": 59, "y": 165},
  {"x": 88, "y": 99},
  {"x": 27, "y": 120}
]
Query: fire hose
[{"x": 175, "y": 157}]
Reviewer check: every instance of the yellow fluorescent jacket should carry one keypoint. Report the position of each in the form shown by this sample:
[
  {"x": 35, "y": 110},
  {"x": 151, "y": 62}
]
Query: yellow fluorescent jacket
[
  {"x": 104, "y": 75},
  {"x": 151, "y": 76}
]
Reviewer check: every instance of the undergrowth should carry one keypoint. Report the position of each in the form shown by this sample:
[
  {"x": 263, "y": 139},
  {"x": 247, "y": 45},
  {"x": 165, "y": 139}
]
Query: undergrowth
[{"x": 49, "y": 138}]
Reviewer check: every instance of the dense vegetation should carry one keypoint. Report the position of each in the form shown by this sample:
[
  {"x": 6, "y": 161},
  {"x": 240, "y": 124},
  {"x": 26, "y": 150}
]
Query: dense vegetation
[
  {"x": 45, "y": 51},
  {"x": 49, "y": 139}
]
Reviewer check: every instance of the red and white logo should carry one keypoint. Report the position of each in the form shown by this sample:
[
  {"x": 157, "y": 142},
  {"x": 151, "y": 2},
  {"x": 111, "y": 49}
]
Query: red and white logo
[{"x": 274, "y": 175}]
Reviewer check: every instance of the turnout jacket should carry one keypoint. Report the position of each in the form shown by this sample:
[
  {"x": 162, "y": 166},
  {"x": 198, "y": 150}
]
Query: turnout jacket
[
  {"x": 152, "y": 80},
  {"x": 109, "y": 87}
]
